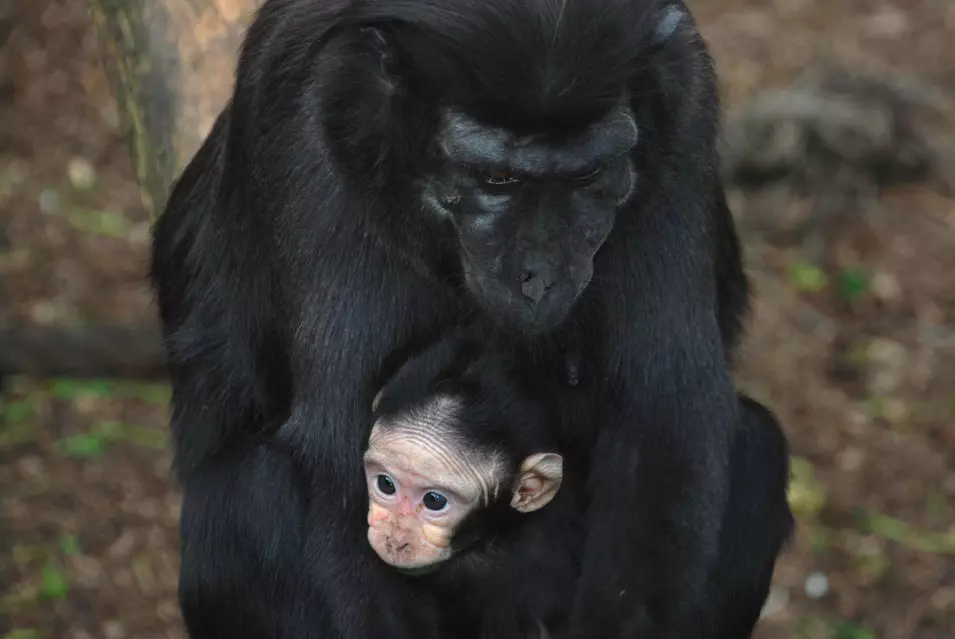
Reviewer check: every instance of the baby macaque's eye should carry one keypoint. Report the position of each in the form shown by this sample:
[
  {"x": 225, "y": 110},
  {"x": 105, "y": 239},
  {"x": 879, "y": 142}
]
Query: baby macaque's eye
[
  {"x": 385, "y": 485},
  {"x": 434, "y": 501}
]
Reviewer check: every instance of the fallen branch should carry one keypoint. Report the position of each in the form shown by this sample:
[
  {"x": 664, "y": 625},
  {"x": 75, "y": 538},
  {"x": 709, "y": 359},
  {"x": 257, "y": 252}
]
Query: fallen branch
[{"x": 92, "y": 351}]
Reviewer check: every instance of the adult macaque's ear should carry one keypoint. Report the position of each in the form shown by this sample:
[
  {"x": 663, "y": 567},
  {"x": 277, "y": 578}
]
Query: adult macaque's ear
[
  {"x": 377, "y": 400},
  {"x": 540, "y": 479}
]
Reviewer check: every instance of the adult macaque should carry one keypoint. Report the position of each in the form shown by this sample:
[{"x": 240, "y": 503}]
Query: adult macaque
[{"x": 387, "y": 170}]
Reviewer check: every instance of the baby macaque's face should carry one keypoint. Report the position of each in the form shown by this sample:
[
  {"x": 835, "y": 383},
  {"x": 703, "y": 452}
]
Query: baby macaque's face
[{"x": 423, "y": 481}]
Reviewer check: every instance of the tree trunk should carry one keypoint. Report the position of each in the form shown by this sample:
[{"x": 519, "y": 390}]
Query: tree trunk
[
  {"x": 6, "y": 20},
  {"x": 171, "y": 65}
]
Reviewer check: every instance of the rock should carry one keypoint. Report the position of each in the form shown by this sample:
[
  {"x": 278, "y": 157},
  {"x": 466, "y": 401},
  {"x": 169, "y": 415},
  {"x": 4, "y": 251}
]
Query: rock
[
  {"x": 81, "y": 173},
  {"x": 777, "y": 601},
  {"x": 49, "y": 201},
  {"x": 885, "y": 286},
  {"x": 816, "y": 586}
]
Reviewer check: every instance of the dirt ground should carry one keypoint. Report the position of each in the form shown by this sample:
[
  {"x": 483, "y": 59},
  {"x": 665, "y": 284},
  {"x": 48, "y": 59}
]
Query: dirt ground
[{"x": 857, "y": 357}]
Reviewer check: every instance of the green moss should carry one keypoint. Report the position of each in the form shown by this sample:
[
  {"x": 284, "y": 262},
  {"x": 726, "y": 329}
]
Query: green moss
[
  {"x": 70, "y": 545},
  {"x": 54, "y": 583},
  {"x": 102, "y": 435},
  {"x": 899, "y": 531},
  {"x": 100, "y": 222},
  {"x": 807, "y": 496},
  {"x": 807, "y": 278},
  {"x": 67, "y": 388},
  {"x": 853, "y": 284}
]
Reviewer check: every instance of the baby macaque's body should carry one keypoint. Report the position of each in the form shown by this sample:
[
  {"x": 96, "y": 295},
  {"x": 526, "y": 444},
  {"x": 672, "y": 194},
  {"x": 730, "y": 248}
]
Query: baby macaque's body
[{"x": 467, "y": 490}]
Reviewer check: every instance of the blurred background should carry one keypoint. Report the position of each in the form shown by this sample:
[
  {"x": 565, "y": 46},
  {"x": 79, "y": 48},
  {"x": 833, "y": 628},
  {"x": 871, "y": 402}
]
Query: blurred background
[{"x": 838, "y": 148}]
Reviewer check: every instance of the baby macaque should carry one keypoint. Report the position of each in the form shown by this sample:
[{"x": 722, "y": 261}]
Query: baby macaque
[{"x": 460, "y": 465}]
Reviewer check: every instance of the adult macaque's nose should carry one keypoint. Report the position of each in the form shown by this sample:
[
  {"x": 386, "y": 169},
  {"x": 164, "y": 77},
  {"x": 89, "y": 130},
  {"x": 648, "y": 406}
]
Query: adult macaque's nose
[{"x": 536, "y": 278}]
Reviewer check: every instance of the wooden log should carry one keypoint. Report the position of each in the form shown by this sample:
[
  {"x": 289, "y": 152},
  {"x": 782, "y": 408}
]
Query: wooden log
[{"x": 89, "y": 351}]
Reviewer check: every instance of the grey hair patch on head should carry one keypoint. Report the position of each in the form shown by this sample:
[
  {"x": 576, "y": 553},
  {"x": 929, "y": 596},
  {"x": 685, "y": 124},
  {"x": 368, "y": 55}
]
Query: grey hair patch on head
[
  {"x": 667, "y": 25},
  {"x": 440, "y": 413}
]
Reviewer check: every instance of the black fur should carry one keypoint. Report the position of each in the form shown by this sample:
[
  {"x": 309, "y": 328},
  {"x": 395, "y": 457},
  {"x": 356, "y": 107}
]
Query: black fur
[
  {"x": 758, "y": 479},
  {"x": 511, "y": 573},
  {"x": 297, "y": 264},
  {"x": 514, "y": 573}
]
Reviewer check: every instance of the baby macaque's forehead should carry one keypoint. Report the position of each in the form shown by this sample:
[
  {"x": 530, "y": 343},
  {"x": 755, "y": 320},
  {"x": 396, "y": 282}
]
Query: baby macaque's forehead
[
  {"x": 427, "y": 441},
  {"x": 441, "y": 415}
]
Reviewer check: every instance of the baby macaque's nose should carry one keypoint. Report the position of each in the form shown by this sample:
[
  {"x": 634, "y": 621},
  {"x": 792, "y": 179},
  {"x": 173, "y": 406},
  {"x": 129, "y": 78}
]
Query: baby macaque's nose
[
  {"x": 400, "y": 539},
  {"x": 406, "y": 508}
]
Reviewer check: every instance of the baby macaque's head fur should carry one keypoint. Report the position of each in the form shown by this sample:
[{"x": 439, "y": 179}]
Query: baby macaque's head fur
[{"x": 456, "y": 456}]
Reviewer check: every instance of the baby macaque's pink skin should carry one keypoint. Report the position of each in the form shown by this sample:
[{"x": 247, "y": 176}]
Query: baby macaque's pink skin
[
  {"x": 401, "y": 530},
  {"x": 422, "y": 455}
]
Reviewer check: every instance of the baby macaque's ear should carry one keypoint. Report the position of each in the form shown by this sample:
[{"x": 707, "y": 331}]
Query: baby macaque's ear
[{"x": 541, "y": 475}]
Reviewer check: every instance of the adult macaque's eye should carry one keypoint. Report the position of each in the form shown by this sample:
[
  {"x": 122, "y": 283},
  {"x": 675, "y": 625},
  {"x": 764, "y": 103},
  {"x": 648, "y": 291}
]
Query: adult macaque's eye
[
  {"x": 587, "y": 175},
  {"x": 386, "y": 486},
  {"x": 434, "y": 501},
  {"x": 500, "y": 177}
]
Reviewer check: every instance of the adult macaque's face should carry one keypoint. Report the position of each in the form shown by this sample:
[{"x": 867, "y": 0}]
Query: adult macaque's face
[{"x": 530, "y": 211}]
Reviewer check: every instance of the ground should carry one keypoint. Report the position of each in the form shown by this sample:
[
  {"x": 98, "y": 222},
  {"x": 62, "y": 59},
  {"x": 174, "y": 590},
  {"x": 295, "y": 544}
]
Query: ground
[{"x": 857, "y": 356}]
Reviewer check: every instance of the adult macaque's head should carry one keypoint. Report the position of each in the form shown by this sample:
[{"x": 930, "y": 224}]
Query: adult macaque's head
[
  {"x": 427, "y": 473},
  {"x": 531, "y": 208}
]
